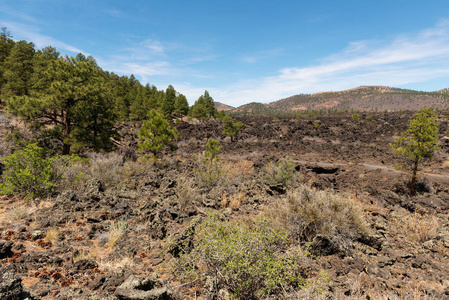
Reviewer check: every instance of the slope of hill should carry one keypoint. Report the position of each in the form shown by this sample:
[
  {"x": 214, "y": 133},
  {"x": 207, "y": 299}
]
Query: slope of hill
[
  {"x": 368, "y": 98},
  {"x": 223, "y": 107}
]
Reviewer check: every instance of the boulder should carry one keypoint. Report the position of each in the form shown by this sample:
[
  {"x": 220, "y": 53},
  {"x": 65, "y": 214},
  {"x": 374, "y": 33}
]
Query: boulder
[
  {"x": 6, "y": 249},
  {"x": 142, "y": 289},
  {"x": 10, "y": 284}
]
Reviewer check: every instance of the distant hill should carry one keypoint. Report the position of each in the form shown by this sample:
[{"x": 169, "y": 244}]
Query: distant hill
[
  {"x": 368, "y": 98},
  {"x": 220, "y": 106}
]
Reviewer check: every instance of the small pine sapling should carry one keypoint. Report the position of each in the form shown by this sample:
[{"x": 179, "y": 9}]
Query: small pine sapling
[{"x": 418, "y": 142}]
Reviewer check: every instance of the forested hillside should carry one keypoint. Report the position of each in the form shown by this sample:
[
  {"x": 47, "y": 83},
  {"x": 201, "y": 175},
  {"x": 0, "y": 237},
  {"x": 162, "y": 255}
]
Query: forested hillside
[{"x": 74, "y": 102}]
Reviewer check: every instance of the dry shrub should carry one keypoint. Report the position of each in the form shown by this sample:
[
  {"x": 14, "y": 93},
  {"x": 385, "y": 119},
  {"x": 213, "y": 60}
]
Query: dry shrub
[
  {"x": 185, "y": 191},
  {"x": 104, "y": 167},
  {"x": 307, "y": 212},
  {"x": 239, "y": 168},
  {"x": 417, "y": 227},
  {"x": 52, "y": 234},
  {"x": 235, "y": 201},
  {"x": 109, "y": 168},
  {"x": 446, "y": 164},
  {"x": 224, "y": 201}
]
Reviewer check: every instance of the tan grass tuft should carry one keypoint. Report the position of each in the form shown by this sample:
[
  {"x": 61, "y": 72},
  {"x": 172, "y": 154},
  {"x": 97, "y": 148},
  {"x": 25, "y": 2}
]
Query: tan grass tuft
[
  {"x": 417, "y": 227},
  {"x": 236, "y": 201},
  {"x": 52, "y": 234}
]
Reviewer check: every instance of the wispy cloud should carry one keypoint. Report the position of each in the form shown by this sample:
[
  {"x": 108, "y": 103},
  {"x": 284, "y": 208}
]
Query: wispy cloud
[
  {"x": 29, "y": 33},
  {"x": 261, "y": 55},
  {"x": 406, "y": 59},
  {"x": 17, "y": 14}
]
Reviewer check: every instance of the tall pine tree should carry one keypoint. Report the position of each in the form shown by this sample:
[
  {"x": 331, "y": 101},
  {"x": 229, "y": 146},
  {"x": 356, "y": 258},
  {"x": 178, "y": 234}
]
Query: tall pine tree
[{"x": 74, "y": 106}]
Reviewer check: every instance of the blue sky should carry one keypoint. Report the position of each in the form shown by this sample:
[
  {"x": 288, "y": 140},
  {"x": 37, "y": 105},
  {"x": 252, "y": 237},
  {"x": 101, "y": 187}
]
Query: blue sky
[{"x": 247, "y": 50}]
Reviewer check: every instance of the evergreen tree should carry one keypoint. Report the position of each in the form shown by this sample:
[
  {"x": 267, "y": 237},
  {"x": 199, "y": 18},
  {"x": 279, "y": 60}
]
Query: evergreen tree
[
  {"x": 74, "y": 108},
  {"x": 181, "y": 105},
  {"x": 18, "y": 69},
  {"x": 418, "y": 142},
  {"x": 6, "y": 44},
  {"x": 204, "y": 107},
  {"x": 168, "y": 105},
  {"x": 155, "y": 134}
]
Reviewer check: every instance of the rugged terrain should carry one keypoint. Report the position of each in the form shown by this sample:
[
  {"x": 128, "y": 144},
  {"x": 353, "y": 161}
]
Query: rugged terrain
[
  {"x": 106, "y": 234},
  {"x": 364, "y": 98}
]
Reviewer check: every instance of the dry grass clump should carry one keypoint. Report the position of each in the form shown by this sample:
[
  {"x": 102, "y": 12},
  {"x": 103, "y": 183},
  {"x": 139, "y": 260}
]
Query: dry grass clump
[
  {"x": 417, "y": 227},
  {"x": 445, "y": 164},
  {"x": 239, "y": 168},
  {"x": 52, "y": 234},
  {"x": 116, "y": 232},
  {"x": 234, "y": 201},
  {"x": 307, "y": 212},
  {"x": 109, "y": 168},
  {"x": 185, "y": 191}
]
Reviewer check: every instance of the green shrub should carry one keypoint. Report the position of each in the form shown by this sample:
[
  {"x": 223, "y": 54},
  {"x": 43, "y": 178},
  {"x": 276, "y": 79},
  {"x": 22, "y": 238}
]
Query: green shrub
[
  {"x": 355, "y": 117},
  {"x": 250, "y": 259},
  {"x": 209, "y": 171},
  {"x": 280, "y": 174},
  {"x": 28, "y": 172}
]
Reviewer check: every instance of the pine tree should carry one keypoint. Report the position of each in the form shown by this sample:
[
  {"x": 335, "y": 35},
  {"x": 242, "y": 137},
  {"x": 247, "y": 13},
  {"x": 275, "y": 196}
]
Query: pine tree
[
  {"x": 74, "y": 107},
  {"x": 18, "y": 68},
  {"x": 168, "y": 105},
  {"x": 181, "y": 105},
  {"x": 155, "y": 134},
  {"x": 6, "y": 44},
  {"x": 418, "y": 142},
  {"x": 204, "y": 107}
]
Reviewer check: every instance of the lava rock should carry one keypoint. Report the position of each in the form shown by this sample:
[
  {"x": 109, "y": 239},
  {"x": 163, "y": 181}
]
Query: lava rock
[
  {"x": 10, "y": 284},
  {"x": 142, "y": 289},
  {"x": 6, "y": 249}
]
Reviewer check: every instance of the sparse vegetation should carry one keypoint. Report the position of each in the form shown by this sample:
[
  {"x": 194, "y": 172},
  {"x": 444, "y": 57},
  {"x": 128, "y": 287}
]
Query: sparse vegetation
[
  {"x": 281, "y": 173},
  {"x": 250, "y": 259},
  {"x": 418, "y": 142},
  {"x": 306, "y": 213}
]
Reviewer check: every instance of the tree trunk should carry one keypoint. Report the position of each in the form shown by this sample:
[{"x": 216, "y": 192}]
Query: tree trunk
[
  {"x": 66, "y": 147},
  {"x": 414, "y": 177}
]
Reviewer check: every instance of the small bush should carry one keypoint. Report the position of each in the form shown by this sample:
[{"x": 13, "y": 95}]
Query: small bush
[
  {"x": 207, "y": 174},
  {"x": 209, "y": 171},
  {"x": 28, "y": 173},
  {"x": 184, "y": 191},
  {"x": 108, "y": 168},
  {"x": 417, "y": 227},
  {"x": 355, "y": 117},
  {"x": 306, "y": 212},
  {"x": 280, "y": 174},
  {"x": 250, "y": 259}
]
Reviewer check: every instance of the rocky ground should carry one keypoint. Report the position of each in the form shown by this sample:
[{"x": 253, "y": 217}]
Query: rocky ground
[{"x": 104, "y": 235}]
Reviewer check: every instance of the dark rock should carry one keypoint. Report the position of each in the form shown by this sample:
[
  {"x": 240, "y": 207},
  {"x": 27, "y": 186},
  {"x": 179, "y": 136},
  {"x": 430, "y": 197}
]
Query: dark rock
[
  {"x": 142, "y": 289},
  {"x": 10, "y": 284},
  {"x": 37, "y": 235},
  {"x": 6, "y": 249},
  {"x": 85, "y": 264},
  {"x": 67, "y": 196},
  {"x": 323, "y": 245}
]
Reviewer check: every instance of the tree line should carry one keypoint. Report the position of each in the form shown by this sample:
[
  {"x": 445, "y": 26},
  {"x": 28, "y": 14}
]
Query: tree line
[{"x": 73, "y": 101}]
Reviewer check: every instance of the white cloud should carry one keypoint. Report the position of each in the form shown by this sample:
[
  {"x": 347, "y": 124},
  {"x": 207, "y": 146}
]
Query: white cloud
[
  {"x": 406, "y": 59},
  {"x": 29, "y": 33}
]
